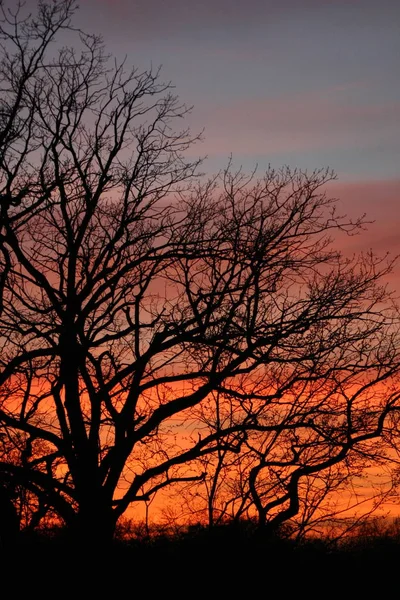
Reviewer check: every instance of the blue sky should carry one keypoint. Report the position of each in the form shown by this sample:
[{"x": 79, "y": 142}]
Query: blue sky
[{"x": 301, "y": 82}]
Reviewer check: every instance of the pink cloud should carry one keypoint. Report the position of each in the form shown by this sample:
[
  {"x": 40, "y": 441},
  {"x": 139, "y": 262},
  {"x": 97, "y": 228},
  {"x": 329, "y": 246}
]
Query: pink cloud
[{"x": 380, "y": 201}]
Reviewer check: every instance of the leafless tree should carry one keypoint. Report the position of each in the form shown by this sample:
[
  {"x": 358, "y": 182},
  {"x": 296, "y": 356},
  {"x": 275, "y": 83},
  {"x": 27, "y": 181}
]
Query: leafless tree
[
  {"x": 131, "y": 293},
  {"x": 321, "y": 460},
  {"x": 24, "y": 45}
]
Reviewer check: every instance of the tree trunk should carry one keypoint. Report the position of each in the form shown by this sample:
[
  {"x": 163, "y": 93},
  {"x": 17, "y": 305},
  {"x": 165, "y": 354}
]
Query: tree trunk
[
  {"x": 93, "y": 531},
  {"x": 9, "y": 522}
]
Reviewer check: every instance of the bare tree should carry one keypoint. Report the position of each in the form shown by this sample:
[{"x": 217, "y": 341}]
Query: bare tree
[
  {"x": 307, "y": 458},
  {"x": 24, "y": 45},
  {"x": 210, "y": 498},
  {"x": 131, "y": 293}
]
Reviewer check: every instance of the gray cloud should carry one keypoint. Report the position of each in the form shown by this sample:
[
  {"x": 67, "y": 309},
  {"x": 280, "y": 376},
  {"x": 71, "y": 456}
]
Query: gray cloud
[{"x": 154, "y": 18}]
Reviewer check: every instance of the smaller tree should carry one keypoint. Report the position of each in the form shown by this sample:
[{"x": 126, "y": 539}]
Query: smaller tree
[{"x": 295, "y": 451}]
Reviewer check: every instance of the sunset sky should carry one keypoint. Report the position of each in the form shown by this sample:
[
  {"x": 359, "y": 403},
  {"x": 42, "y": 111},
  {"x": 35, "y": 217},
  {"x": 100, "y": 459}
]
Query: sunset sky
[
  {"x": 312, "y": 84},
  {"x": 308, "y": 83}
]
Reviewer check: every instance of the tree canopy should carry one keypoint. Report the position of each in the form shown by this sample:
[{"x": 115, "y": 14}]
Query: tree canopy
[{"x": 152, "y": 318}]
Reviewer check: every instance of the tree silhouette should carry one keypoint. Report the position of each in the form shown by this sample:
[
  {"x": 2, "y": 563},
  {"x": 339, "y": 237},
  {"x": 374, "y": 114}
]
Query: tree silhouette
[{"x": 132, "y": 293}]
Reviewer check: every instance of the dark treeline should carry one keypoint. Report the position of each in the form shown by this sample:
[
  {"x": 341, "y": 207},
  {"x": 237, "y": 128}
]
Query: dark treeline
[{"x": 227, "y": 559}]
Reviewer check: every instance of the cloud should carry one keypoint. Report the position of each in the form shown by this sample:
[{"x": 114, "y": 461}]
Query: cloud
[
  {"x": 327, "y": 119},
  {"x": 379, "y": 200},
  {"x": 171, "y": 17}
]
